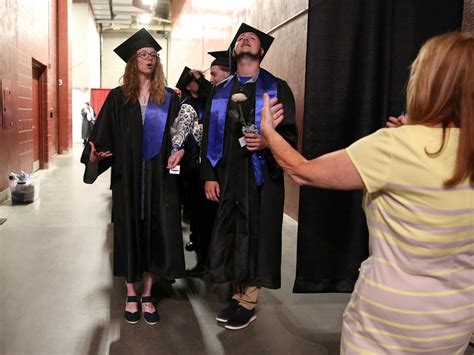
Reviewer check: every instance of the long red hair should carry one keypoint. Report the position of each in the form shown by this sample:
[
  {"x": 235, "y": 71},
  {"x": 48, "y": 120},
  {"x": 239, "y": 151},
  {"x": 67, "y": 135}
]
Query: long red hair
[{"x": 131, "y": 84}]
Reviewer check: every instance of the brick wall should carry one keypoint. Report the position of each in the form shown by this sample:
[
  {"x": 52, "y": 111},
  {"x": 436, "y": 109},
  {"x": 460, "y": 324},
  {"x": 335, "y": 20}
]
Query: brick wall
[
  {"x": 28, "y": 34},
  {"x": 64, "y": 75}
]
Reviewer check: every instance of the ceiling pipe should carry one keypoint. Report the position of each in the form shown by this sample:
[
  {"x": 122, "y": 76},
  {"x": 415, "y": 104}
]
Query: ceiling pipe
[{"x": 111, "y": 9}]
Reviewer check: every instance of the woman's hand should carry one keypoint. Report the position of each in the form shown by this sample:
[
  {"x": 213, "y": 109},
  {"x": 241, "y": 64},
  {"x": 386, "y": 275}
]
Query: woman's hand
[
  {"x": 397, "y": 121},
  {"x": 96, "y": 156},
  {"x": 175, "y": 159},
  {"x": 272, "y": 113},
  {"x": 212, "y": 190}
]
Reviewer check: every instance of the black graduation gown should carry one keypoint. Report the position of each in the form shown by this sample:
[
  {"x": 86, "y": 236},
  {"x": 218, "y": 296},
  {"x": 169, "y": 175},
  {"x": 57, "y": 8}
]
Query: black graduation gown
[
  {"x": 86, "y": 125},
  {"x": 246, "y": 241},
  {"x": 153, "y": 243},
  {"x": 200, "y": 210}
]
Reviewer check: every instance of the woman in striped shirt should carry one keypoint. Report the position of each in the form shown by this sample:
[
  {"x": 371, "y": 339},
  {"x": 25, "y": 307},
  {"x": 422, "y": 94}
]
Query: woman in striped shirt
[{"x": 415, "y": 292}]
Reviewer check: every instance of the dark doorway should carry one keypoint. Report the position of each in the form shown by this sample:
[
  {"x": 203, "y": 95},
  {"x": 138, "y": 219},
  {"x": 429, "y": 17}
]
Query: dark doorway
[{"x": 38, "y": 114}]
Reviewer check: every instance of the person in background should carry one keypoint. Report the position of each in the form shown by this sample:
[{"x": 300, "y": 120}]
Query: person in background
[
  {"x": 88, "y": 120},
  {"x": 220, "y": 66},
  {"x": 195, "y": 89},
  {"x": 194, "y": 93},
  {"x": 243, "y": 177},
  {"x": 205, "y": 209},
  {"x": 415, "y": 292},
  {"x": 133, "y": 136}
]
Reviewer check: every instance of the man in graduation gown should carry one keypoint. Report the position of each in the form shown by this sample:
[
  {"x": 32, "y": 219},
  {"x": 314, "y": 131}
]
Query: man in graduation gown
[
  {"x": 242, "y": 175},
  {"x": 132, "y": 136},
  {"x": 195, "y": 90},
  {"x": 201, "y": 210},
  {"x": 219, "y": 68}
]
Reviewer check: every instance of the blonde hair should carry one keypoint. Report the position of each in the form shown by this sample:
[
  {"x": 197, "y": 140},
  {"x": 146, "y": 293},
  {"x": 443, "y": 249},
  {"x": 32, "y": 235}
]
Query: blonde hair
[
  {"x": 441, "y": 92},
  {"x": 131, "y": 84}
]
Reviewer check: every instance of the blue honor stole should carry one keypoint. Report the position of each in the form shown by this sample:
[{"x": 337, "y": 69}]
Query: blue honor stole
[
  {"x": 266, "y": 82},
  {"x": 217, "y": 120},
  {"x": 154, "y": 126}
]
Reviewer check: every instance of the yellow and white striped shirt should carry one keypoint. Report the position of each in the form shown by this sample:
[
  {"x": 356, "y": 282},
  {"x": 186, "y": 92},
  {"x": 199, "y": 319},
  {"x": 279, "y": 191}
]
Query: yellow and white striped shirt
[{"x": 415, "y": 293}]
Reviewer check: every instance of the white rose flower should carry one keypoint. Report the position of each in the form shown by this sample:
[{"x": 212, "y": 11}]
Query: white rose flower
[{"x": 239, "y": 97}]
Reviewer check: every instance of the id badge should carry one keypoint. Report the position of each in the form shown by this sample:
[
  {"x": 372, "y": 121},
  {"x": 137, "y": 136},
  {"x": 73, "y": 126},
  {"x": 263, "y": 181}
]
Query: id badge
[{"x": 175, "y": 170}]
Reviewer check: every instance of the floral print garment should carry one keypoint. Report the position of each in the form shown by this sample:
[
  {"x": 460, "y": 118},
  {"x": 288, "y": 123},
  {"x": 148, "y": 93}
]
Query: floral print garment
[{"x": 184, "y": 124}]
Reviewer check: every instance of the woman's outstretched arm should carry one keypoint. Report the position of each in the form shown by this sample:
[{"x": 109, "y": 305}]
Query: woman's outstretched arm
[{"x": 334, "y": 170}]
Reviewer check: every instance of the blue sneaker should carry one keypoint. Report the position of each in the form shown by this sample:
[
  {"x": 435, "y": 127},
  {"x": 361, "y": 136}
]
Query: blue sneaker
[
  {"x": 225, "y": 313},
  {"x": 241, "y": 318}
]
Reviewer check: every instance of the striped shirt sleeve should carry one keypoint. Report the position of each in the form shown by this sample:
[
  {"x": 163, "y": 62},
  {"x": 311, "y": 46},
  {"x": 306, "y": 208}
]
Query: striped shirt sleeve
[{"x": 372, "y": 157}]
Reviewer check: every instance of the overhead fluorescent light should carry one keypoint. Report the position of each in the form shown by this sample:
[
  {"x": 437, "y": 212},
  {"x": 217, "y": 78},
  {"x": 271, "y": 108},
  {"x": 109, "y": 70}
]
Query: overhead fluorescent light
[
  {"x": 148, "y": 2},
  {"x": 144, "y": 19}
]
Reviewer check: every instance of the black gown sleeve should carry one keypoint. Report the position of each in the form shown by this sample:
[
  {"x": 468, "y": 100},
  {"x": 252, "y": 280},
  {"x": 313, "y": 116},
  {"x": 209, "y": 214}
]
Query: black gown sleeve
[
  {"x": 102, "y": 137},
  {"x": 205, "y": 88},
  {"x": 175, "y": 105},
  {"x": 207, "y": 171}
]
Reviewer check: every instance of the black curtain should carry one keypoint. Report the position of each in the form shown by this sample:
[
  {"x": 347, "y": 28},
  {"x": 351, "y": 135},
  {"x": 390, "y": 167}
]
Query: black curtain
[{"x": 358, "y": 58}]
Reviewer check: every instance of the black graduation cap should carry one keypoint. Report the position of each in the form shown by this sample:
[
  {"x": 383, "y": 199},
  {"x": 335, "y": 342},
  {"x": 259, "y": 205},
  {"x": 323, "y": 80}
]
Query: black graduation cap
[
  {"x": 185, "y": 79},
  {"x": 265, "y": 40},
  {"x": 138, "y": 40},
  {"x": 221, "y": 58}
]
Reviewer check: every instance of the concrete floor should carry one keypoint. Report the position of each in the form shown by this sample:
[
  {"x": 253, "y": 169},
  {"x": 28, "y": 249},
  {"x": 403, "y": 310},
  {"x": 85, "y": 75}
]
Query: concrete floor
[{"x": 58, "y": 295}]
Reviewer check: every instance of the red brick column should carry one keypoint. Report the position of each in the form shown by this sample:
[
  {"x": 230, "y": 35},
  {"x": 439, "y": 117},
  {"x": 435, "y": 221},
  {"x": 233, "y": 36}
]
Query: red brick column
[{"x": 64, "y": 78}]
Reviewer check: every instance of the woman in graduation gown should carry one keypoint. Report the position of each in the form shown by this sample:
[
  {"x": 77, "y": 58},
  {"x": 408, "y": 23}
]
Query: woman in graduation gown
[{"x": 133, "y": 137}]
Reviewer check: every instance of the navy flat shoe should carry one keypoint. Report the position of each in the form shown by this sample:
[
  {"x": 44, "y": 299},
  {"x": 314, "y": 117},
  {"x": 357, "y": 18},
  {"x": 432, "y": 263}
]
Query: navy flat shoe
[
  {"x": 150, "y": 318},
  {"x": 132, "y": 317}
]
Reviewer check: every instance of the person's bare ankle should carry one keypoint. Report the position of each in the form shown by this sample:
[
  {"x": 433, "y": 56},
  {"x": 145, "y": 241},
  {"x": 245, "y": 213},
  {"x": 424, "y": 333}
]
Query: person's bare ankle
[
  {"x": 131, "y": 306},
  {"x": 148, "y": 306}
]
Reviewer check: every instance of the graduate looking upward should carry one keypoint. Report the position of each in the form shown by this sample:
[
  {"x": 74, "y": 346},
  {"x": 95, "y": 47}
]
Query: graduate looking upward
[{"x": 243, "y": 177}]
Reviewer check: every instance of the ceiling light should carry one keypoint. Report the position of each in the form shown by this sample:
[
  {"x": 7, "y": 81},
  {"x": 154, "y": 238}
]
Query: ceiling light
[
  {"x": 144, "y": 19},
  {"x": 148, "y": 2}
]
